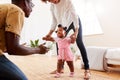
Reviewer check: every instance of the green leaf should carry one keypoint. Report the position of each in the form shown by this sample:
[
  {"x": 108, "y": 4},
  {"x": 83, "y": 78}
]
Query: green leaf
[{"x": 34, "y": 43}]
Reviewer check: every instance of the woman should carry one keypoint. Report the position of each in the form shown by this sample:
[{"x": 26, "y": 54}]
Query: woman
[{"x": 63, "y": 13}]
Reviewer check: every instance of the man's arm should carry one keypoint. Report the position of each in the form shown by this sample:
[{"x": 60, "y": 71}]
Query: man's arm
[{"x": 14, "y": 48}]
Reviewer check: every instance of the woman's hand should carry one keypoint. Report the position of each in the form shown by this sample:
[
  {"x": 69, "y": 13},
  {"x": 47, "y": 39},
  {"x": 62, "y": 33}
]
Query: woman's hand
[{"x": 73, "y": 38}]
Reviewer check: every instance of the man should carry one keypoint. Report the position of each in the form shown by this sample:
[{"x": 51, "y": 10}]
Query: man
[{"x": 11, "y": 23}]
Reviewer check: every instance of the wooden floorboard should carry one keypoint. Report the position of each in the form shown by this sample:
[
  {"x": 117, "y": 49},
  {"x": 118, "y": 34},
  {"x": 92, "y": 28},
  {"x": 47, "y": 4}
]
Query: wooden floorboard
[{"x": 38, "y": 67}]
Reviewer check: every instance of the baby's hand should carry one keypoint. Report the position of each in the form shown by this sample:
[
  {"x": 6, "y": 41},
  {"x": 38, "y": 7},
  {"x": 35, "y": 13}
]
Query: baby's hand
[
  {"x": 47, "y": 38},
  {"x": 44, "y": 38}
]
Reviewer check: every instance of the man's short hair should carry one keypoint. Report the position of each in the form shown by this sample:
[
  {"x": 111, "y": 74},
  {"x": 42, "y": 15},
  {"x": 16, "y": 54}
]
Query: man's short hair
[
  {"x": 44, "y": 1},
  {"x": 17, "y": 1}
]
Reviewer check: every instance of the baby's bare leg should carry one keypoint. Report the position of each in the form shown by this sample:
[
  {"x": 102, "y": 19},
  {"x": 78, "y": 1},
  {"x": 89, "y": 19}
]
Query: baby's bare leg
[
  {"x": 59, "y": 65},
  {"x": 71, "y": 66}
]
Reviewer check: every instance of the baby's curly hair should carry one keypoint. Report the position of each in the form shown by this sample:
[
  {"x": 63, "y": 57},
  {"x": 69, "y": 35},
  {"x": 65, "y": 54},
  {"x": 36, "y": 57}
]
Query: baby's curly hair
[{"x": 65, "y": 28}]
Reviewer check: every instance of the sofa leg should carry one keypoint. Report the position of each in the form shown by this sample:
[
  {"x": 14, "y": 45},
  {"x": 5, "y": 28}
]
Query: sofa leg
[{"x": 105, "y": 66}]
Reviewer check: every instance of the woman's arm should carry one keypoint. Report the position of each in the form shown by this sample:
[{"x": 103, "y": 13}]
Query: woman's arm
[
  {"x": 75, "y": 19},
  {"x": 54, "y": 21},
  {"x": 49, "y": 39}
]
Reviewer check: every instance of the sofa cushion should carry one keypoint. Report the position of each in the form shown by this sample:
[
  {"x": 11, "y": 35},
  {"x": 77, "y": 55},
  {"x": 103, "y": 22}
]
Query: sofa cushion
[{"x": 113, "y": 54}]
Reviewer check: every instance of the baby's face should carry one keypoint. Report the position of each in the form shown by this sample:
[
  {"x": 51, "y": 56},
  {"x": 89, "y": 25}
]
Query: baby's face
[{"x": 60, "y": 32}]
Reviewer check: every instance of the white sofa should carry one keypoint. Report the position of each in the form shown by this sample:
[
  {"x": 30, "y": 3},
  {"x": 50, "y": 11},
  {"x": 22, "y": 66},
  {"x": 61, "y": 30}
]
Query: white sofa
[
  {"x": 103, "y": 58},
  {"x": 112, "y": 59}
]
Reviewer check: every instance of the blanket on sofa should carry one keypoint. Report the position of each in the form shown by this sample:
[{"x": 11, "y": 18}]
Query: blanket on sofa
[{"x": 96, "y": 57}]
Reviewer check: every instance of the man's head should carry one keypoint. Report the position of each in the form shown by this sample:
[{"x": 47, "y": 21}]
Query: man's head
[
  {"x": 25, "y": 5},
  {"x": 52, "y": 1}
]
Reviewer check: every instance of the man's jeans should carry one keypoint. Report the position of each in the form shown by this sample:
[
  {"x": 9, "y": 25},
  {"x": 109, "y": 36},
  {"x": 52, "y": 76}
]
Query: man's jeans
[{"x": 9, "y": 71}]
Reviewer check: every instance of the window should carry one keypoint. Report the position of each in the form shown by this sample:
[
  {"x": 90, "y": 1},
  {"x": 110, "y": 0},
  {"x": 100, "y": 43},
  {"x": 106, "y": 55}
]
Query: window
[{"x": 89, "y": 19}]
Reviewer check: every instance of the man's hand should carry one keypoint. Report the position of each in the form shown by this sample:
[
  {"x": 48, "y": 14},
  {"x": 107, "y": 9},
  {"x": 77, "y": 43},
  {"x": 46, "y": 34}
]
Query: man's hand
[{"x": 43, "y": 49}]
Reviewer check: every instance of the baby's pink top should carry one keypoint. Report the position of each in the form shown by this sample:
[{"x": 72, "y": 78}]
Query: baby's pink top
[{"x": 64, "y": 50}]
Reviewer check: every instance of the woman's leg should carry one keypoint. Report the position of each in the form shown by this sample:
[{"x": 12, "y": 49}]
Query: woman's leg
[
  {"x": 57, "y": 48},
  {"x": 9, "y": 71},
  {"x": 81, "y": 47}
]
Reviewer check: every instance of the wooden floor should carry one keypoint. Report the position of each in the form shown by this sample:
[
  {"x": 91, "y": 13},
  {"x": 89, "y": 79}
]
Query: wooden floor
[{"x": 38, "y": 67}]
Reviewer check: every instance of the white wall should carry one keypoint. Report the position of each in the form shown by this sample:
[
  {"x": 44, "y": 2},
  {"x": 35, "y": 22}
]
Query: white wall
[
  {"x": 39, "y": 21},
  {"x": 38, "y": 24},
  {"x": 108, "y": 12},
  {"x": 5, "y": 1}
]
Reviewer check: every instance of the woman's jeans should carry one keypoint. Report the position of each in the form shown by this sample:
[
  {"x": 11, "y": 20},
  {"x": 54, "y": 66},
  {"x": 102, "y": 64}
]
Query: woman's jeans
[
  {"x": 79, "y": 44},
  {"x": 9, "y": 71}
]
